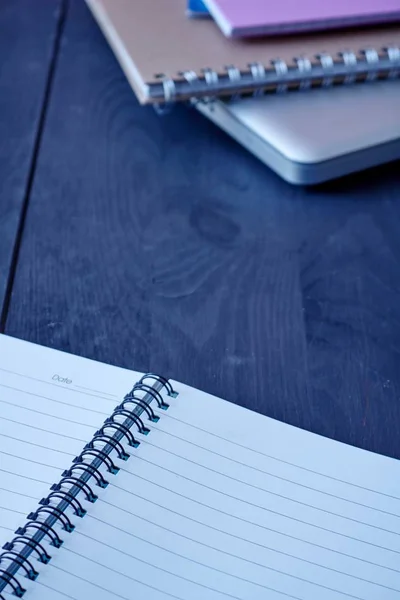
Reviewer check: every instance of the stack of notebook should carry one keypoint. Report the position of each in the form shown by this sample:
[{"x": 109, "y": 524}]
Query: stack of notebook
[{"x": 239, "y": 64}]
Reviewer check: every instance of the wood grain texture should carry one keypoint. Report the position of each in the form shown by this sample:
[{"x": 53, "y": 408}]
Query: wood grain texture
[
  {"x": 159, "y": 243},
  {"x": 27, "y": 31}
]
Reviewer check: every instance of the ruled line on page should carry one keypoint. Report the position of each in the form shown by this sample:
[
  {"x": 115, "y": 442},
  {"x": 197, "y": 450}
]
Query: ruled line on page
[
  {"x": 246, "y": 484},
  {"x": 275, "y": 458},
  {"x": 17, "y": 512},
  {"x": 125, "y": 598},
  {"x": 236, "y": 556},
  {"x": 250, "y": 503},
  {"x": 226, "y": 533},
  {"x": 232, "y": 535},
  {"x": 3, "y": 489},
  {"x": 147, "y": 442},
  {"x": 268, "y": 588},
  {"x": 82, "y": 387},
  {"x": 38, "y": 412},
  {"x": 56, "y": 401},
  {"x": 25, "y": 477},
  {"x": 33, "y": 444},
  {"x": 11, "y": 530},
  {"x": 118, "y": 572},
  {"x": 35, "y": 462},
  {"x": 249, "y": 541},
  {"x": 48, "y": 587},
  {"x": 57, "y": 385},
  {"x": 196, "y": 541},
  {"x": 307, "y": 487},
  {"x": 261, "y": 507},
  {"x": 232, "y": 497},
  {"x": 63, "y": 435},
  {"x": 254, "y": 523},
  {"x": 216, "y": 549}
]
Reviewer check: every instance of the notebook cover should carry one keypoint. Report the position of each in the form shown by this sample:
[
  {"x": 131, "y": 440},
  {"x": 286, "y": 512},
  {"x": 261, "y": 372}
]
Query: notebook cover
[
  {"x": 257, "y": 17},
  {"x": 197, "y": 8},
  {"x": 154, "y": 40}
]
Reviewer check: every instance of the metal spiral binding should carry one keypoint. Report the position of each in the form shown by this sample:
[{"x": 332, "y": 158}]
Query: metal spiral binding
[
  {"x": 304, "y": 66},
  {"x": 327, "y": 66},
  {"x": 258, "y": 73},
  {"x": 279, "y": 75},
  {"x": 394, "y": 57},
  {"x": 85, "y": 468},
  {"x": 350, "y": 60},
  {"x": 169, "y": 90},
  {"x": 281, "y": 70},
  {"x": 210, "y": 76},
  {"x": 372, "y": 57}
]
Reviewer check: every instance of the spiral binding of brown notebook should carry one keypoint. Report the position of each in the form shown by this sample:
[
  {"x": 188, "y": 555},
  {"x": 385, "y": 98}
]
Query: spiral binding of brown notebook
[{"x": 168, "y": 57}]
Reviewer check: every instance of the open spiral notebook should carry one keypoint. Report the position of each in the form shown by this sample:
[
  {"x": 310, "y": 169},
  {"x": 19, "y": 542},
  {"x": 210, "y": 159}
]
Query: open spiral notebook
[{"x": 178, "y": 494}]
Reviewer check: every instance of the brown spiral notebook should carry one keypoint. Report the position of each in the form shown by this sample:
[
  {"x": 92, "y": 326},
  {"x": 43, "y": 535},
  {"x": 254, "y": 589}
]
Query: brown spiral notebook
[{"x": 168, "y": 57}]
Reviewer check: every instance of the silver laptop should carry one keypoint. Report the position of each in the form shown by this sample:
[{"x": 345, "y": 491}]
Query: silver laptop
[{"x": 313, "y": 136}]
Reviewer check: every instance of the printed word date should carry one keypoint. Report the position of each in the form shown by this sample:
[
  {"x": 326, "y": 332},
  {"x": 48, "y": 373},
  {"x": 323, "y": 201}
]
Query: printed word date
[{"x": 60, "y": 379}]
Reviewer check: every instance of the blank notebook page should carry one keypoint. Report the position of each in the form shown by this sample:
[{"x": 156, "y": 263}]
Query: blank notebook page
[{"x": 216, "y": 503}]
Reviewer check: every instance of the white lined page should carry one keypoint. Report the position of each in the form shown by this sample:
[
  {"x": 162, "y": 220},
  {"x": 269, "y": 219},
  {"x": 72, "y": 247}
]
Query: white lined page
[
  {"x": 217, "y": 502},
  {"x": 44, "y": 422}
]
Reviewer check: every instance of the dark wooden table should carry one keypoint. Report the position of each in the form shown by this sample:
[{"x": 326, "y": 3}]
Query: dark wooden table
[{"x": 159, "y": 243}]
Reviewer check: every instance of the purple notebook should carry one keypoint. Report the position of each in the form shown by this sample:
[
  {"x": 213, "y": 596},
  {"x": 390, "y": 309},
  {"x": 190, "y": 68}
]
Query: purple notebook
[{"x": 243, "y": 18}]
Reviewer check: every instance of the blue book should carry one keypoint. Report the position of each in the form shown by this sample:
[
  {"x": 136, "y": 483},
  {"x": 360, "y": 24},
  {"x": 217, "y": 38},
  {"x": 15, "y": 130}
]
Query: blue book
[{"x": 196, "y": 8}]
